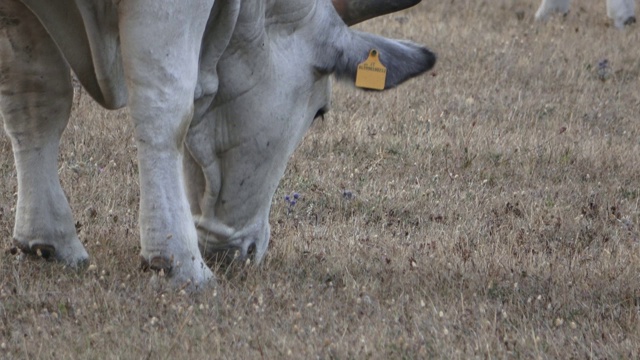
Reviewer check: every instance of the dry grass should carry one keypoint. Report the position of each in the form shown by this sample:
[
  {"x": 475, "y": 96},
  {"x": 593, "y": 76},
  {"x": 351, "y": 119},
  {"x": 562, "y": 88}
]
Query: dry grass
[{"x": 494, "y": 213}]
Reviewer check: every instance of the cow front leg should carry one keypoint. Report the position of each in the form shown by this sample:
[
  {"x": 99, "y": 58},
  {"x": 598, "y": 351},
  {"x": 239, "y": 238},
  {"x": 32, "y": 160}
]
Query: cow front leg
[
  {"x": 35, "y": 102},
  {"x": 547, "y": 7},
  {"x": 160, "y": 47},
  {"x": 622, "y": 12}
]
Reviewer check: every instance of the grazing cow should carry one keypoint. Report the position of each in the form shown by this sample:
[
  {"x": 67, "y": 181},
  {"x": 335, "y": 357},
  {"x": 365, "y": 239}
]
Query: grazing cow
[
  {"x": 621, "y": 11},
  {"x": 220, "y": 94}
]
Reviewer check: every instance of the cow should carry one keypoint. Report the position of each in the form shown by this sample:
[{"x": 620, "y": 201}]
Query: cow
[
  {"x": 220, "y": 94},
  {"x": 621, "y": 11}
]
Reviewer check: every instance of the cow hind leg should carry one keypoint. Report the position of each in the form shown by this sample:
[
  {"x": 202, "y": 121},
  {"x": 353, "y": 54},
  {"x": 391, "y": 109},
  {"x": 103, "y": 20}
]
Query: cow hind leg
[
  {"x": 160, "y": 48},
  {"x": 35, "y": 102}
]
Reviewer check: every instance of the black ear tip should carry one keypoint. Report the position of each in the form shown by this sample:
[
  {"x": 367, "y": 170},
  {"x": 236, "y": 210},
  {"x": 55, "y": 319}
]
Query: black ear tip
[
  {"x": 412, "y": 63},
  {"x": 429, "y": 59}
]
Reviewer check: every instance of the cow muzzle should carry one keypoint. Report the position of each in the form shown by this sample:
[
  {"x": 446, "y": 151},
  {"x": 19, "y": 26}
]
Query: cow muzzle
[{"x": 221, "y": 243}]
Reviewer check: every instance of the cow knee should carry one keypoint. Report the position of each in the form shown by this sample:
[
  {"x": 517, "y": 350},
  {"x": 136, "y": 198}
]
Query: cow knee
[{"x": 160, "y": 123}]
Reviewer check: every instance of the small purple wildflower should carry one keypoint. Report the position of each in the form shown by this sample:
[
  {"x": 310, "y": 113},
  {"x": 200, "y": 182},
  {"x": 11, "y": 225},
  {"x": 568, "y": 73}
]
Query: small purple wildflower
[
  {"x": 604, "y": 70},
  {"x": 603, "y": 64},
  {"x": 291, "y": 200}
]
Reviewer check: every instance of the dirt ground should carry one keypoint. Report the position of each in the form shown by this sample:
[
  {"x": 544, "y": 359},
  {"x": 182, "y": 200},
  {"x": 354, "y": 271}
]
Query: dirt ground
[{"x": 486, "y": 210}]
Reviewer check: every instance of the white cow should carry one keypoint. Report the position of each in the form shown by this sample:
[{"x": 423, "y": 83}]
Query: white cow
[
  {"x": 621, "y": 11},
  {"x": 220, "y": 94}
]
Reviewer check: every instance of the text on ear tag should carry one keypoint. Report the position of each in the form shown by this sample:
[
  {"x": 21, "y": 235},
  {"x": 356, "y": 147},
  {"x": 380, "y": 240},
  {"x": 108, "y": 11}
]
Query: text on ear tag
[{"x": 371, "y": 73}]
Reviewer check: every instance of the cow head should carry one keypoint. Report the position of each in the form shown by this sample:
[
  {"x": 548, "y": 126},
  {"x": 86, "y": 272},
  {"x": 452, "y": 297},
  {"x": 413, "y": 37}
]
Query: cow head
[{"x": 274, "y": 80}]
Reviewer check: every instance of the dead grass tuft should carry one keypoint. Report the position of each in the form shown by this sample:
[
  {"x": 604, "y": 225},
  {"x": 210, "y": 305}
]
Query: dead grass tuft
[{"x": 489, "y": 209}]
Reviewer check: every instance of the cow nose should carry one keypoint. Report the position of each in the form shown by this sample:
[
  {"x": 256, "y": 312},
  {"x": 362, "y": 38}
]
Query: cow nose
[
  {"x": 251, "y": 251},
  {"x": 248, "y": 250}
]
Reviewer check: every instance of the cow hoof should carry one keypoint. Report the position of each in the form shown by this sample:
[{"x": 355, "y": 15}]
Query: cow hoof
[
  {"x": 192, "y": 276},
  {"x": 158, "y": 264},
  {"x": 74, "y": 255},
  {"x": 630, "y": 20}
]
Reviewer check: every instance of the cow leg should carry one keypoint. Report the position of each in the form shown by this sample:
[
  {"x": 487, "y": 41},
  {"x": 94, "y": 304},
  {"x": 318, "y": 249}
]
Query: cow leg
[
  {"x": 550, "y": 6},
  {"x": 35, "y": 102},
  {"x": 160, "y": 47},
  {"x": 622, "y": 12},
  {"x": 195, "y": 183}
]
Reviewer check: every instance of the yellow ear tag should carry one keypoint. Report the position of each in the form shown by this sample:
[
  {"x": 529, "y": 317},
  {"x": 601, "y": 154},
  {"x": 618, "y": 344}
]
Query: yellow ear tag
[{"x": 371, "y": 73}]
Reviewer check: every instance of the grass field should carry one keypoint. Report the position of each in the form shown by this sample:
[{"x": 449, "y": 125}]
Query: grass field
[{"x": 486, "y": 210}]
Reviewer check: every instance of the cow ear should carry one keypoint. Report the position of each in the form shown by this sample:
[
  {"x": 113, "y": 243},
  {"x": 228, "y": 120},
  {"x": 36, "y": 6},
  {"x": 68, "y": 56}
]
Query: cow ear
[{"x": 403, "y": 59}]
